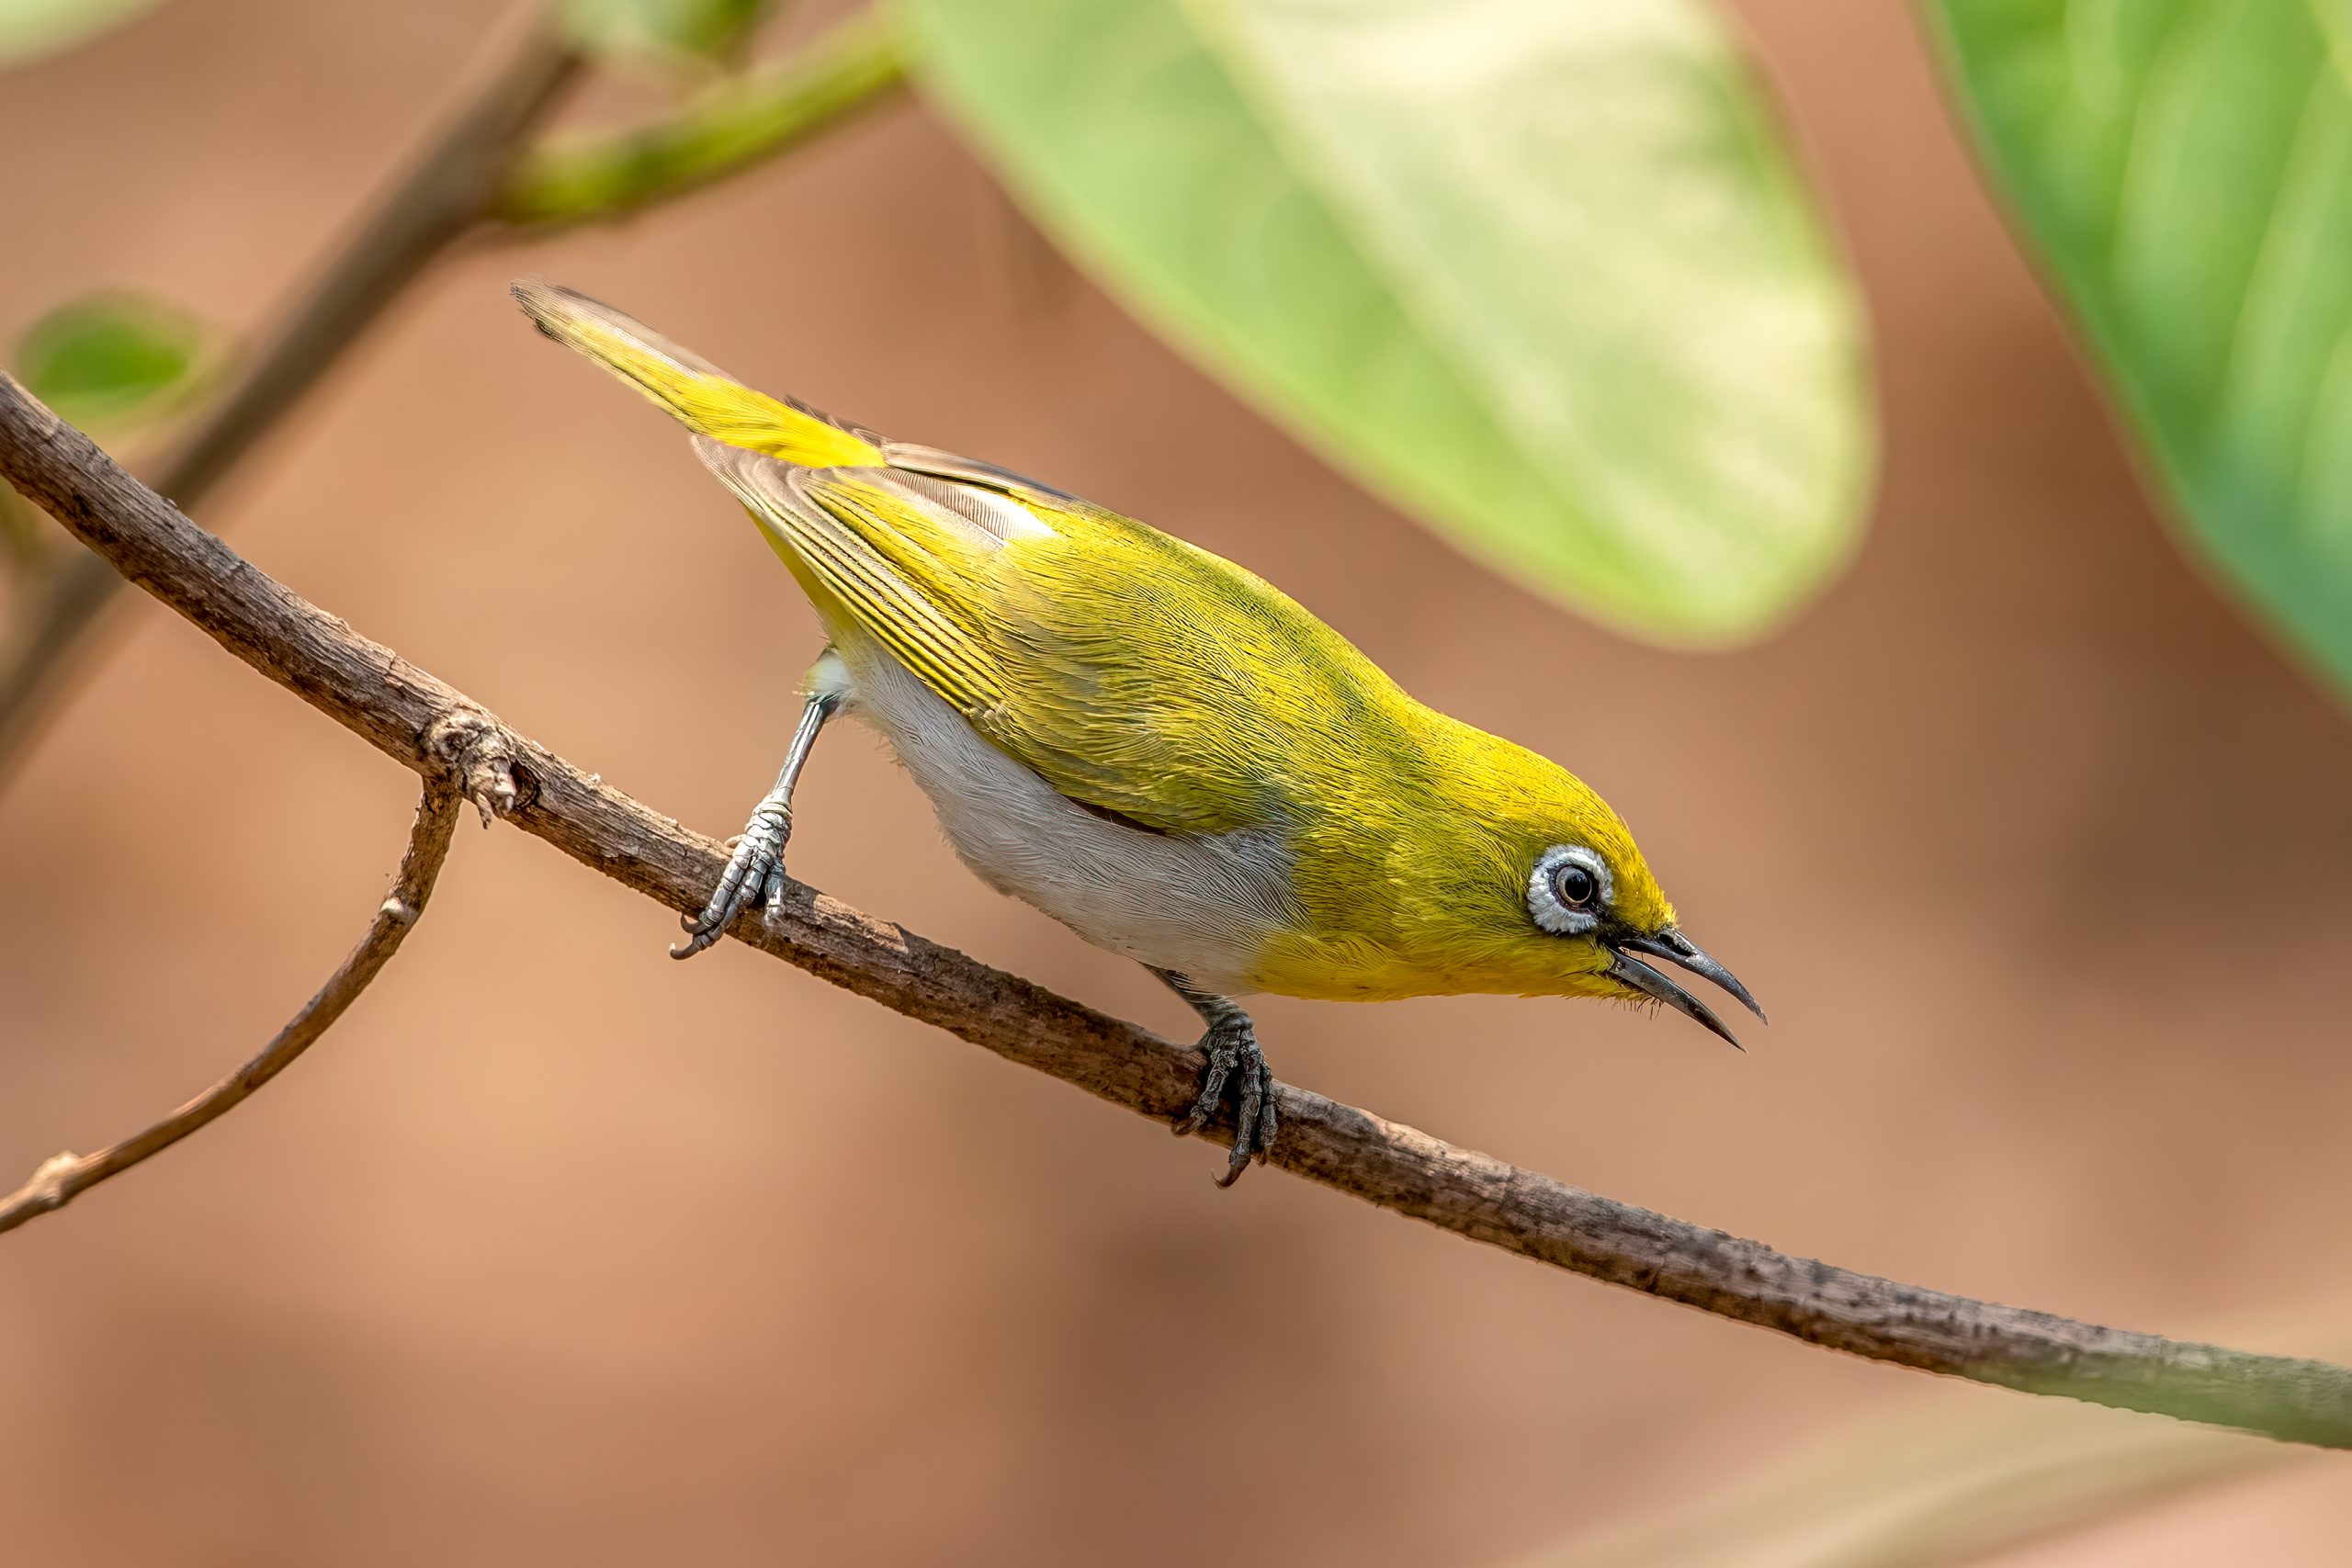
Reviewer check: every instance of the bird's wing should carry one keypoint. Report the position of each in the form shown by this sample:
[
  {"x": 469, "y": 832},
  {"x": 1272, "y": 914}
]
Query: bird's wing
[
  {"x": 1137, "y": 675},
  {"x": 899, "y": 562}
]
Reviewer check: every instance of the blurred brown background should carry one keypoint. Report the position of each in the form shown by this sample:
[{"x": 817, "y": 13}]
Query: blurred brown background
[{"x": 559, "y": 1252}]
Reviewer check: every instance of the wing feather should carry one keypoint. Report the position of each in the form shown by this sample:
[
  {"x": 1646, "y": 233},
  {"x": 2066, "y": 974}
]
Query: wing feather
[
  {"x": 846, "y": 544},
  {"x": 1135, "y": 673}
]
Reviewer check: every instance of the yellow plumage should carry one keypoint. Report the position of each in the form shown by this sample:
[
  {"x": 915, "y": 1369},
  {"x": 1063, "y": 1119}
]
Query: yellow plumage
[
  {"x": 701, "y": 396},
  {"x": 1175, "y": 694}
]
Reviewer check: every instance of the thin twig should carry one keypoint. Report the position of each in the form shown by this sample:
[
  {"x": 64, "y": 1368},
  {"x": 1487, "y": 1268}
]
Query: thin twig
[
  {"x": 444, "y": 194},
  {"x": 63, "y": 1176},
  {"x": 739, "y": 121},
  {"x": 429, "y": 726}
]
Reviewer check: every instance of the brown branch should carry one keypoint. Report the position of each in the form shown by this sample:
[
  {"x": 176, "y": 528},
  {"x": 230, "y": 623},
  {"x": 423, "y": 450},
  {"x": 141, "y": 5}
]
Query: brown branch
[
  {"x": 446, "y": 192},
  {"x": 62, "y": 1178},
  {"x": 428, "y": 726}
]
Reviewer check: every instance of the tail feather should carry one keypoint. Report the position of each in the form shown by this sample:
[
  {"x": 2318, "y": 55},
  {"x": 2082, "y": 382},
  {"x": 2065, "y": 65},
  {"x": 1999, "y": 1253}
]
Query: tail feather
[{"x": 698, "y": 393}]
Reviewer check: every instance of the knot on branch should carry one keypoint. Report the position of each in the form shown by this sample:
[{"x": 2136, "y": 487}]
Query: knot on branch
[
  {"x": 49, "y": 1187},
  {"x": 482, "y": 763}
]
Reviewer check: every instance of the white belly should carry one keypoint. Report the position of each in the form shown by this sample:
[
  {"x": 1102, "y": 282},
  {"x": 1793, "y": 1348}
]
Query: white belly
[{"x": 1201, "y": 907}]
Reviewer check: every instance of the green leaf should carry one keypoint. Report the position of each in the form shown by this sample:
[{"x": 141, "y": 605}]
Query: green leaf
[
  {"x": 2184, "y": 170},
  {"x": 109, "y": 359},
  {"x": 1942, "y": 1484},
  {"x": 32, "y": 30},
  {"x": 1918, "y": 1492},
  {"x": 676, "y": 30},
  {"x": 1541, "y": 270}
]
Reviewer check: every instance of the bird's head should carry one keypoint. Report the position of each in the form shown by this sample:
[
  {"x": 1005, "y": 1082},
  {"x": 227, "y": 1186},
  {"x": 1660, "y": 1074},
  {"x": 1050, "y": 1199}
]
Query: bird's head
[{"x": 1539, "y": 889}]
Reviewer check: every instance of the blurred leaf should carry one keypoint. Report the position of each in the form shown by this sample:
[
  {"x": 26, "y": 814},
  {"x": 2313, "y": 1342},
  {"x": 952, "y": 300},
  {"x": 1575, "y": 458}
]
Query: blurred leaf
[
  {"x": 674, "y": 30},
  {"x": 1540, "y": 269},
  {"x": 32, "y": 30},
  {"x": 110, "y": 358},
  {"x": 2184, "y": 169},
  {"x": 1961, "y": 1487},
  {"x": 1931, "y": 1497}
]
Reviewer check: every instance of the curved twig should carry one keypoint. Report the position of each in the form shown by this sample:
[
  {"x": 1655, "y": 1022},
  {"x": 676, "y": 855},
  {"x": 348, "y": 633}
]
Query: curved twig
[
  {"x": 429, "y": 726},
  {"x": 63, "y": 1176}
]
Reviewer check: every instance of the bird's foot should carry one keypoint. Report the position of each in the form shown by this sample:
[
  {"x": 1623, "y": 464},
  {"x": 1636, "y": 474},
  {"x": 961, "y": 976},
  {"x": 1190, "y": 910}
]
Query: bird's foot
[
  {"x": 754, "y": 874},
  {"x": 1231, "y": 1045}
]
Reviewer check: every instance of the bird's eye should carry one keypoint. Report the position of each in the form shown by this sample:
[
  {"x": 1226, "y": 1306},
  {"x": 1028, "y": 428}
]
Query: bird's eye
[{"x": 1567, "y": 889}]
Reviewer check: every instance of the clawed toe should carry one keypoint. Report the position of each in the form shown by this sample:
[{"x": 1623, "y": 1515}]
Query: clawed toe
[
  {"x": 704, "y": 930},
  {"x": 1254, "y": 1121},
  {"x": 755, "y": 874},
  {"x": 1224, "y": 1054},
  {"x": 1235, "y": 1060}
]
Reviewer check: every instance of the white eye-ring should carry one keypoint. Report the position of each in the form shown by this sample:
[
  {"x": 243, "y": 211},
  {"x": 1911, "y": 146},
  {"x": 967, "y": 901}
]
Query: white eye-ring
[{"x": 1568, "y": 888}]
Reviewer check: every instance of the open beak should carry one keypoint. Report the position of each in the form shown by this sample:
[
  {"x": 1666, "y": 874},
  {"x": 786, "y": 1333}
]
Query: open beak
[{"x": 1674, "y": 948}]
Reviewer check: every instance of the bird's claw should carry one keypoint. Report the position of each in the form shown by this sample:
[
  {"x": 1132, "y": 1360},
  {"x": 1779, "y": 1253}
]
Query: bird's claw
[
  {"x": 755, "y": 874},
  {"x": 1235, "y": 1058}
]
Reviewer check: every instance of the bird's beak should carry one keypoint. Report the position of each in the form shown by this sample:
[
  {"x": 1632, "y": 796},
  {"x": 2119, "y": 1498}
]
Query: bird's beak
[{"x": 1680, "y": 951}]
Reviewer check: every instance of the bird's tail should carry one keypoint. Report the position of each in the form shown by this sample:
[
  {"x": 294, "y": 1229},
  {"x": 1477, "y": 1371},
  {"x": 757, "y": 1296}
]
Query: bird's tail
[{"x": 698, "y": 393}]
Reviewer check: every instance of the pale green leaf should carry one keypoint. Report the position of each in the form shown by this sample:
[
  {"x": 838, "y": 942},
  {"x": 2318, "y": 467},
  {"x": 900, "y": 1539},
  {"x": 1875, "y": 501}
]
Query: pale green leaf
[
  {"x": 2184, "y": 170},
  {"x": 1934, "y": 1494},
  {"x": 1965, "y": 1485},
  {"x": 1540, "y": 269},
  {"x": 31, "y": 30},
  {"x": 110, "y": 359}
]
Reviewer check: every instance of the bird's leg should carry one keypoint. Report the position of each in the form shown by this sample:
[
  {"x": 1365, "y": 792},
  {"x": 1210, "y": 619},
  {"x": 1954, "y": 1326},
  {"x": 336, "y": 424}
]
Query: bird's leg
[
  {"x": 755, "y": 871},
  {"x": 1231, "y": 1045}
]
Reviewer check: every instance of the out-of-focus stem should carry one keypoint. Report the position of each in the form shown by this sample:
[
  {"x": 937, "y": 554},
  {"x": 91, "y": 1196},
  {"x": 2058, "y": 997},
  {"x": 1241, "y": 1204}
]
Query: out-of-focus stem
[
  {"x": 470, "y": 176},
  {"x": 732, "y": 125},
  {"x": 443, "y": 195},
  {"x": 447, "y": 191}
]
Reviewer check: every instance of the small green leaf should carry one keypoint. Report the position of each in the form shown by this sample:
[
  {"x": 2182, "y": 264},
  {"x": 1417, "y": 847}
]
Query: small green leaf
[
  {"x": 2184, "y": 169},
  {"x": 32, "y": 30},
  {"x": 112, "y": 358},
  {"x": 1542, "y": 270},
  {"x": 675, "y": 29}
]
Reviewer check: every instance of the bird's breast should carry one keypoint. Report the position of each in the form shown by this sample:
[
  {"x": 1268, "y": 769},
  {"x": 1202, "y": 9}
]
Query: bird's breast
[{"x": 1205, "y": 907}]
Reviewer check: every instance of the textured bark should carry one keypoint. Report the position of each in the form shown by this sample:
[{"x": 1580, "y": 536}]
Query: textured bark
[{"x": 437, "y": 730}]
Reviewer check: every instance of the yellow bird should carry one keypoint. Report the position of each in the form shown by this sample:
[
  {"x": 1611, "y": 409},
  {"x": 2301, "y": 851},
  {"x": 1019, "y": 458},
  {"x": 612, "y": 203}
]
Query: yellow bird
[{"x": 1151, "y": 745}]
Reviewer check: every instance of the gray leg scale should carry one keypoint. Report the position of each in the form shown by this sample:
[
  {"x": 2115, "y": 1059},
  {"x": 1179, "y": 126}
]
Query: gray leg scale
[
  {"x": 1231, "y": 1046},
  {"x": 754, "y": 873}
]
